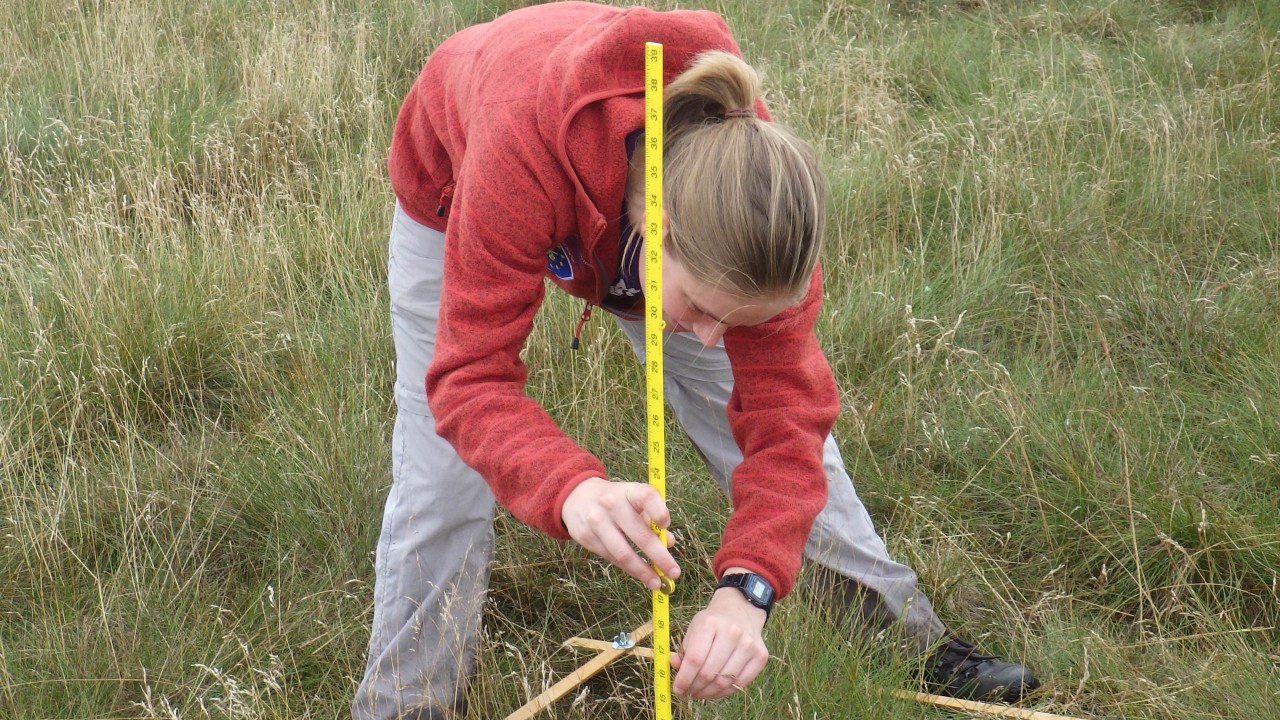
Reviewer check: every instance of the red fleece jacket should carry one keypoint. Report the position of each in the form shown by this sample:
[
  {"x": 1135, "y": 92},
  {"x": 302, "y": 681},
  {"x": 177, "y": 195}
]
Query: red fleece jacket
[{"x": 512, "y": 142}]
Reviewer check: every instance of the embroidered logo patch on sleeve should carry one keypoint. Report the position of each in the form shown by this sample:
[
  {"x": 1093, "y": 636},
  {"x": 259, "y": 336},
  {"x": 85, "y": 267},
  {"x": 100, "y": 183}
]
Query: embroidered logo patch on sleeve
[{"x": 559, "y": 264}]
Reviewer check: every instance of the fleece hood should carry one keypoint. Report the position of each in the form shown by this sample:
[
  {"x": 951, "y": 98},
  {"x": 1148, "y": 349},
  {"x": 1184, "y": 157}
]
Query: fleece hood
[{"x": 591, "y": 94}]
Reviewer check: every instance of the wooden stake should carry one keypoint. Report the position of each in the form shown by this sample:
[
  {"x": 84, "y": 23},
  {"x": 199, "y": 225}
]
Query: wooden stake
[
  {"x": 1002, "y": 711},
  {"x": 602, "y": 660},
  {"x": 601, "y": 645}
]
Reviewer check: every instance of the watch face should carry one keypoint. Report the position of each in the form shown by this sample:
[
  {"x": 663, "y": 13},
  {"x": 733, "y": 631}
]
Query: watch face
[{"x": 758, "y": 589}]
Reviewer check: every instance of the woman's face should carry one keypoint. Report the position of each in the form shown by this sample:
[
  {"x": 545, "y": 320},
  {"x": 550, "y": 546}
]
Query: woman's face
[{"x": 703, "y": 310}]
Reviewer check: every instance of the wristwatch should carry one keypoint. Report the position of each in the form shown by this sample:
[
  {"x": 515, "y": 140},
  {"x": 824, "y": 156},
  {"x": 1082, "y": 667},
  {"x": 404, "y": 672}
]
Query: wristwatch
[{"x": 756, "y": 589}]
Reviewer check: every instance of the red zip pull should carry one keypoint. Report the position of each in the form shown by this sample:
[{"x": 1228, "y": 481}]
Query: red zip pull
[
  {"x": 446, "y": 198},
  {"x": 577, "y": 332}
]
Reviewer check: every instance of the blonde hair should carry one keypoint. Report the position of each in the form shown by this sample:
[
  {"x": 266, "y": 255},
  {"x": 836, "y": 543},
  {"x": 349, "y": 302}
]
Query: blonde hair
[{"x": 744, "y": 197}]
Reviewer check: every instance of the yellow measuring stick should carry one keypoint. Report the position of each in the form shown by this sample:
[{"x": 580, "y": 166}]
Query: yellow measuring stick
[{"x": 653, "y": 359}]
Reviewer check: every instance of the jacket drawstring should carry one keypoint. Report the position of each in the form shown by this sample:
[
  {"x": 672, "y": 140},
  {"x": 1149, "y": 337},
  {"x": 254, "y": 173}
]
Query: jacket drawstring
[{"x": 577, "y": 332}]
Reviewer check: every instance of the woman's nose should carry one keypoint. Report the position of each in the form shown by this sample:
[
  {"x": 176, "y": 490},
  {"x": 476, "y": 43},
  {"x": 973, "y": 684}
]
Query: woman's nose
[{"x": 709, "y": 332}]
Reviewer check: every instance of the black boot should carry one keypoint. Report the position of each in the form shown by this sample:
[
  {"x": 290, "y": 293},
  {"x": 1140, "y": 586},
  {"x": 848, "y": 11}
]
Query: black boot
[
  {"x": 953, "y": 668},
  {"x": 957, "y": 670}
]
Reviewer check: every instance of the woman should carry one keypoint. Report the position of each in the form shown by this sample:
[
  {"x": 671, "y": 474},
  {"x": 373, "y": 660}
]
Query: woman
[{"x": 516, "y": 157}]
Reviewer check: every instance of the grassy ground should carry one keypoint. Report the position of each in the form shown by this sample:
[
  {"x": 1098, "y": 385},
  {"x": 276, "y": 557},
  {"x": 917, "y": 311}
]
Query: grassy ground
[{"x": 1054, "y": 288}]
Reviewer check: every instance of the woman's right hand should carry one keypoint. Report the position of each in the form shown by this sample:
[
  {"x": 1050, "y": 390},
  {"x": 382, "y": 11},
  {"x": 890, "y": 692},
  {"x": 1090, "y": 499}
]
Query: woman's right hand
[{"x": 612, "y": 519}]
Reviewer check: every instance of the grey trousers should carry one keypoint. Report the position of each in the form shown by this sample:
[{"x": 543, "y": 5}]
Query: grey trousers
[{"x": 433, "y": 554}]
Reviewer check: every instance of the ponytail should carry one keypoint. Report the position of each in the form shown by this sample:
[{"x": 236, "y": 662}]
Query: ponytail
[
  {"x": 716, "y": 83},
  {"x": 744, "y": 196}
]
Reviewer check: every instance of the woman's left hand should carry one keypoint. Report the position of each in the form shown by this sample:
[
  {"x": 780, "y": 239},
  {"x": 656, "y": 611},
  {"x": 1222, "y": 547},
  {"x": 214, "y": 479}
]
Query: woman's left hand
[{"x": 723, "y": 649}]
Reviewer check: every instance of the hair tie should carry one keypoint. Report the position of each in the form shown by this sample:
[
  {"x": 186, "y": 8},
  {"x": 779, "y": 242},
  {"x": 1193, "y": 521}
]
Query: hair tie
[{"x": 742, "y": 112}]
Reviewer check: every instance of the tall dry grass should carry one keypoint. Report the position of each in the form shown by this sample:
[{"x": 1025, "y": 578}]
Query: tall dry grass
[{"x": 1053, "y": 283}]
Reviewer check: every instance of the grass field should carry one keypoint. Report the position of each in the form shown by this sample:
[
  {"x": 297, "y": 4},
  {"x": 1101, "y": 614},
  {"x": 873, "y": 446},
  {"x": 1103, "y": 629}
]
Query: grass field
[{"x": 1054, "y": 294}]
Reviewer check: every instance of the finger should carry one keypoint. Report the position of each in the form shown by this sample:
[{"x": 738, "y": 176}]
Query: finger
[
  {"x": 753, "y": 668},
  {"x": 641, "y": 534},
  {"x": 741, "y": 676},
  {"x": 744, "y": 656},
  {"x": 710, "y": 680},
  {"x": 716, "y": 692},
  {"x": 636, "y": 517},
  {"x": 613, "y": 546},
  {"x": 726, "y": 683},
  {"x": 649, "y": 504},
  {"x": 713, "y": 680},
  {"x": 648, "y": 501},
  {"x": 741, "y": 668},
  {"x": 691, "y": 657}
]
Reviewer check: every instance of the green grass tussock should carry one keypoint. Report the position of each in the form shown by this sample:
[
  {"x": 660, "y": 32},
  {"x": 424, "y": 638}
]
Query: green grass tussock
[{"x": 1053, "y": 283}]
